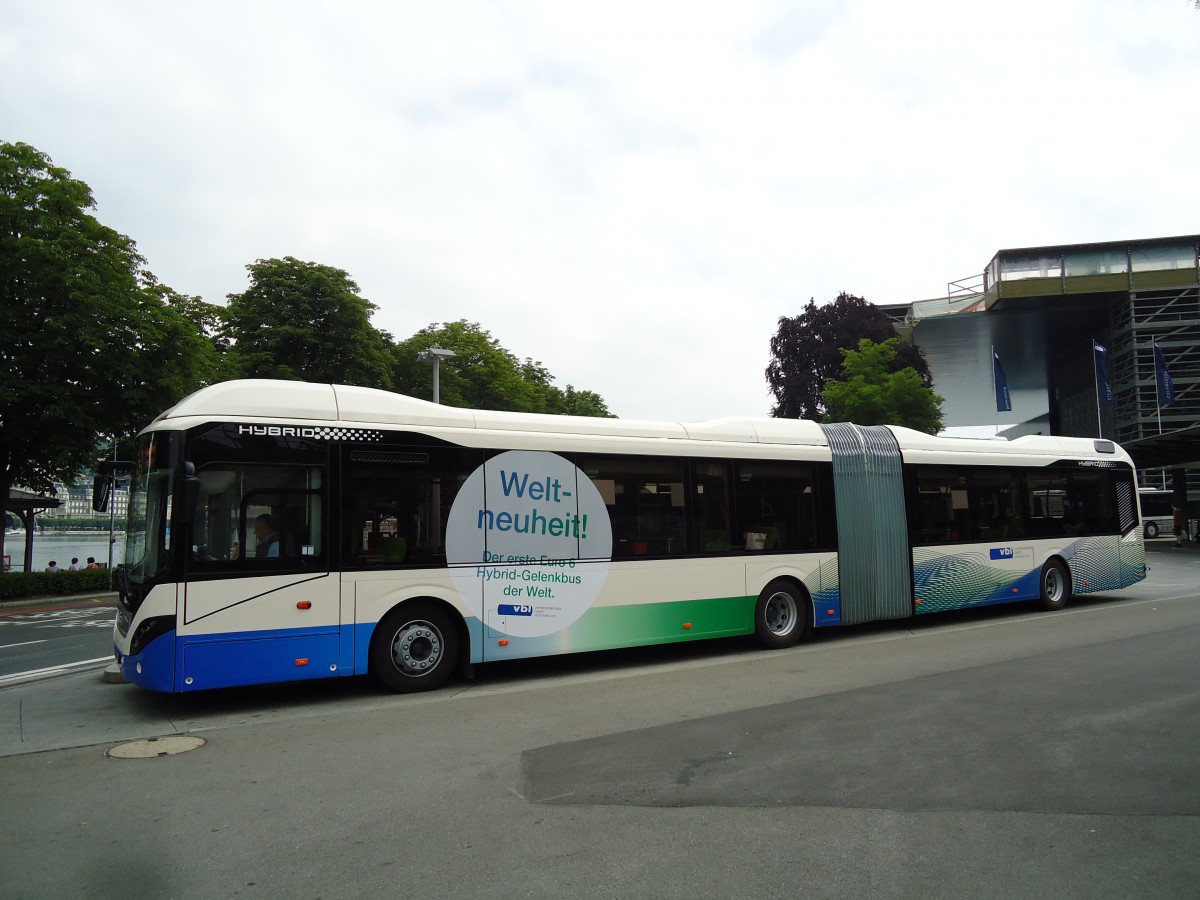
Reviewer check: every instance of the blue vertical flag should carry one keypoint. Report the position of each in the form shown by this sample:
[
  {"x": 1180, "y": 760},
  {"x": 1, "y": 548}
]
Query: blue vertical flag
[
  {"x": 1162, "y": 378},
  {"x": 1003, "y": 400},
  {"x": 1104, "y": 391}
]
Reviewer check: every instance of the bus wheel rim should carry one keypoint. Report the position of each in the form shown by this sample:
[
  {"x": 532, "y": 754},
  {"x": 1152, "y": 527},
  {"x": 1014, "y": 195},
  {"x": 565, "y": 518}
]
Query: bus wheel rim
[
  {"x": 1054, "y": 584},
  {"x": 780, "y": 614},
  {"x": 417, "y": 648}
]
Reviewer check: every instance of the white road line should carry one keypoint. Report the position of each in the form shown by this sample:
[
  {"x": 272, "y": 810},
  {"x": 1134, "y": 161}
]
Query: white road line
[
  {"x": 50, "y": 671},
  {"x": 22, "y": 644}
]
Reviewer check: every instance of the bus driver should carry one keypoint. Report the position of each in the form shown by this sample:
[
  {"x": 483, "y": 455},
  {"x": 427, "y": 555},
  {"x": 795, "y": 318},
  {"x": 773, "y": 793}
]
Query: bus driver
[{"x": 266, "y": 539}]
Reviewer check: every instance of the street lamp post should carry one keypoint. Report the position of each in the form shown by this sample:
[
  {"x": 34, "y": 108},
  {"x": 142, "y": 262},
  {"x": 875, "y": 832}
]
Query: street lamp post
[
  {"x": 435, "y": 355},
  {"x": 112, "y": 513}
]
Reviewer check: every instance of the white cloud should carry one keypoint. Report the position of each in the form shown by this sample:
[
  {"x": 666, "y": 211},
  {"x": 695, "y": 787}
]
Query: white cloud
[{"x": 632, "y": 193}]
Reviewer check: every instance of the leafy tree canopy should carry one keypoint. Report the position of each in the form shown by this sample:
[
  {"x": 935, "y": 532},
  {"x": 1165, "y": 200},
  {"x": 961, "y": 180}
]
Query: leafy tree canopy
[
  {"x": 806, "y": 352},
  {"x": 90, "y": 344},
  {"x": 584, "y": 403},
  {"x": 871, "y": 393},
  {"x": 483, "y": 375},
  {"x": 301, "y": 321}
]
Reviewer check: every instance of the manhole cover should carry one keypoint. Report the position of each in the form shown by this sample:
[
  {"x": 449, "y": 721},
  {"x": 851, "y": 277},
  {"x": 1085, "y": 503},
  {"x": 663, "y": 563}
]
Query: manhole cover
[{"x": 152, "y": 747}]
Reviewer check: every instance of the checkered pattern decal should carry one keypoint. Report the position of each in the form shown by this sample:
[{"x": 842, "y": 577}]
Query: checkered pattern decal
[{"x": 344, "y": 434}]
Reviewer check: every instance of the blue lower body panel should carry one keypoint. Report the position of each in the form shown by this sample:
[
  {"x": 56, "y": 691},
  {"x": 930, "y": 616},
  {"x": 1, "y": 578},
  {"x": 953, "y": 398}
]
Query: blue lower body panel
[
  {"x": 195, "y": 663},
  {"x": 154, "y": 667}
]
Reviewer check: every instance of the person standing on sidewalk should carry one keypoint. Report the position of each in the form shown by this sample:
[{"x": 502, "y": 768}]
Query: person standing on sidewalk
[{"x": 1179, "y": 524}]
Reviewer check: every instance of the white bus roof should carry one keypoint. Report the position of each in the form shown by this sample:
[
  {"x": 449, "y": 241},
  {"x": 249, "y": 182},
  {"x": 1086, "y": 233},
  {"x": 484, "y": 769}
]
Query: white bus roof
[
  {"x": 296, "y": 401},
  {"x": 292, "y": 401}
]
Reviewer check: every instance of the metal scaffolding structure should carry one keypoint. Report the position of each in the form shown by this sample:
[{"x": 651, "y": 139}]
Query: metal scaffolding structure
[
  {"x": 1044, "y": 311},
  {"x": 1172, "y": 318}
]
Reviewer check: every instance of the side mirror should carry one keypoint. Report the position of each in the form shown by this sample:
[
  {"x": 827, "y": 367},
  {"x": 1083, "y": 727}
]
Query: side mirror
[
  {"x": 191, "y": 491},
  {"x": 101, "y": 485}
]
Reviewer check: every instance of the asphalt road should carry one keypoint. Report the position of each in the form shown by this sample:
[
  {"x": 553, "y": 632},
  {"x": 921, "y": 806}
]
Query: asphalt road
[
  {"x": 50, "y": 635},
  {"x": 1003, "y": 753}
]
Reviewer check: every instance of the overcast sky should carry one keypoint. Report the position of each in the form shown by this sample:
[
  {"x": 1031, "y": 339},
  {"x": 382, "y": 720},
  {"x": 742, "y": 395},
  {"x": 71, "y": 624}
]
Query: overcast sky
[{"x": 630, "y": 192}]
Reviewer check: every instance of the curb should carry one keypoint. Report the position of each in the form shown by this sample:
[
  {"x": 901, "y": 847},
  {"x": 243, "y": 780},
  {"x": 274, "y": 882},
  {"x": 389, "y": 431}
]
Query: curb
[
  {"x": 101, "y": 598},
  {"x": 74, "y": 668}
]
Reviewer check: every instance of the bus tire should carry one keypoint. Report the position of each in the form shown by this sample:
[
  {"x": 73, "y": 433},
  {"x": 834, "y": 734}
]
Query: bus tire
[
  {"x": 1151, "y": 529},
  {"x": 780, "y": 615},
  {"x": 1056, "y": 585},
  {"x": 414, "y": 648}
]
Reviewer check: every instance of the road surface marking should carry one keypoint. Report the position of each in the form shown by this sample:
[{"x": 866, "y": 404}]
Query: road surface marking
[{"x": 64, "y": 669}]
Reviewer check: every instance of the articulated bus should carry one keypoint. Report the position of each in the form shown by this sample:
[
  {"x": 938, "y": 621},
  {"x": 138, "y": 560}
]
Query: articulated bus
[{"x": 282, "y": 530}]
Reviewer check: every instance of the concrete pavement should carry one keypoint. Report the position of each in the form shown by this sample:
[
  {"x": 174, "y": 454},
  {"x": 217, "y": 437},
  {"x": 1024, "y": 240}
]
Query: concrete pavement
[{"x": 1002, "y": 753}]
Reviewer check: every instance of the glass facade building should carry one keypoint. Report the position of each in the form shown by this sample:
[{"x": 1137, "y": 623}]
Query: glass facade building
[{"x": 1043, "y": 310}]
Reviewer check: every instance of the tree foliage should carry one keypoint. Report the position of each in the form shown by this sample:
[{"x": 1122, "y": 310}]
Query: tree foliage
[
  {"x": 871, "y": 393},
  {"x": 584, "y": 403},
  {"x": 90, "y": 344},
  {"x": 483, "y": 375},
  {"x": 81, "y": 323},
  {"x": 302, "y": 321},
  {"x": 179, "y": 351},
  {"x": 806, "y": 352}
]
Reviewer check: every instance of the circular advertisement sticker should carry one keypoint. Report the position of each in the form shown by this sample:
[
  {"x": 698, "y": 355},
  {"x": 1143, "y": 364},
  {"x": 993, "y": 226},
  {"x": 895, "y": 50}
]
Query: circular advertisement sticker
[{"x": 529, "y": 543}]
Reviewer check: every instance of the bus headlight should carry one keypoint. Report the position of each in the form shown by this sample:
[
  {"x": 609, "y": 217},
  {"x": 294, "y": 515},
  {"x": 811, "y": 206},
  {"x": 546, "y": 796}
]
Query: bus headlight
[{"x": 148, "y": 631}]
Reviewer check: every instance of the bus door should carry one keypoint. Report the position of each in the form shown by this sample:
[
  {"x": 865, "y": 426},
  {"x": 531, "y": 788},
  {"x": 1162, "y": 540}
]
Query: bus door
[{"x": 259, "y": 604}]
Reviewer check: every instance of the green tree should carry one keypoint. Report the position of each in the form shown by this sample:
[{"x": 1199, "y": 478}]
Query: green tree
[
  {"x": 806, "y": 351},
  {"x": 871, "y": 393},
  {"x": 179, "y": 342},
  {"x": 584, "y": 403},
  {"x": 90, "y": 344},
  {"x": 301, "y": 321},
  {"x": 484, "y": 375}
]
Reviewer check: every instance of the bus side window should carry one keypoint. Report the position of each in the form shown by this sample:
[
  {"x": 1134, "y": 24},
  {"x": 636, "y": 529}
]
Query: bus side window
[
  {"x": 775, "y": 502},
  {"x": 710, "y": 505},
  {"x": 1047, "y": 492},
  {"x": 646, "y": 502},
  {"x": 1094, "y": 501},
  {"x": 942, "y": 510},
  {"x": 256, "y": 515},
  {"x": 396, "y": 500},
  {"x": 996, "y": 504}
]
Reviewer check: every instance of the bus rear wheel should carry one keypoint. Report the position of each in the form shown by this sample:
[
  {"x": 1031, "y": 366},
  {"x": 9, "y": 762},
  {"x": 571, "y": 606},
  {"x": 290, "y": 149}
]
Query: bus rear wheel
[
  {"x": 780, "y": 616},
  {"x": 1056, "y": 585},
  {"x": 414, "y": 648}
]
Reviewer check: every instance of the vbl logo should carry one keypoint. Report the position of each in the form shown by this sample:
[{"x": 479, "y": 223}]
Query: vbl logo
[
  {"x": 1002, "y": 553},
  {"x": 511, "y": 609}
]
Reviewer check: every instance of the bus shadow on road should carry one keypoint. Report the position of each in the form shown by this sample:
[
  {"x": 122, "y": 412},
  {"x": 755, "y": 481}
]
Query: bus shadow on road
[{"x": 334, "y": 693}]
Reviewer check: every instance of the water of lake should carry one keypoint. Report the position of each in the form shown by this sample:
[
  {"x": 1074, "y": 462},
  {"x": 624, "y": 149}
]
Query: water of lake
[{"x": 61, "y": 547}]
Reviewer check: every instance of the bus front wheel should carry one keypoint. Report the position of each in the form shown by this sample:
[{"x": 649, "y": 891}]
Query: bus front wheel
[
  {"x": 781, "y": 615},
  {"x": 414, "y": 648},
  {"x": 1056, "y": 585}
]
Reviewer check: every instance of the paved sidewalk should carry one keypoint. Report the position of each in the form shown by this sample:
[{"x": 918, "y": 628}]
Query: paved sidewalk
[{"x": 95, "y": 598}]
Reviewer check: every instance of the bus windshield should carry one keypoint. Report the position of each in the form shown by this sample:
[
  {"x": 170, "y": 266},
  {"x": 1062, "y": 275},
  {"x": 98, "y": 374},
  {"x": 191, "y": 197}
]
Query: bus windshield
[{"x": 148, "y": 539}]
